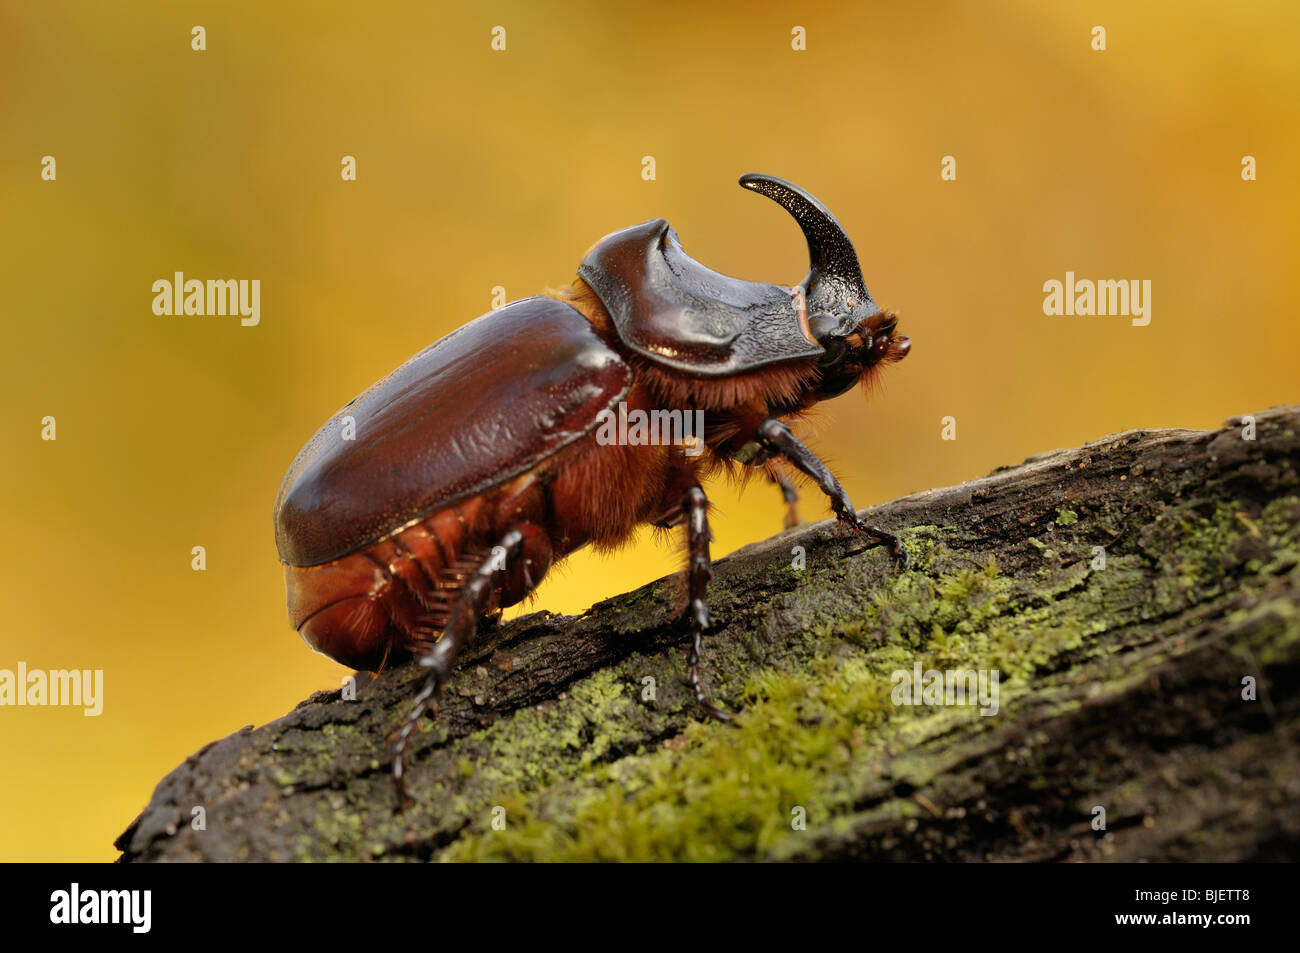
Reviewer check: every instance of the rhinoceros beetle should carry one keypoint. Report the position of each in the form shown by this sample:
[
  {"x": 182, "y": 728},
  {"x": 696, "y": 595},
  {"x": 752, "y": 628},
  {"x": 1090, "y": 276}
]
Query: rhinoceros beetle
[{"x": 448, "y": 489}]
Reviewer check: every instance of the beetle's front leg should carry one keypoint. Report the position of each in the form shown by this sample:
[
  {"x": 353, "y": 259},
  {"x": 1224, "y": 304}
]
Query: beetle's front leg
[
  {"x": 475, "y": 597},
  {"x": 776, "y": 438},
  {"x": 695, "y": 508}
]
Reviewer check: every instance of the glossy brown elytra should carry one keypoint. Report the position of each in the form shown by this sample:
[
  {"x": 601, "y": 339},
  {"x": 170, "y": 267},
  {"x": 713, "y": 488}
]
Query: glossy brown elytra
[{"x": 448, "y": 489}]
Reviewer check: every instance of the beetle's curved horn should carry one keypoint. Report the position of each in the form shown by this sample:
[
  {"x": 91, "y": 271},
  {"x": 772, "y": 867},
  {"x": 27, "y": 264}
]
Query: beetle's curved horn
[{"x": 834, "y": 285}]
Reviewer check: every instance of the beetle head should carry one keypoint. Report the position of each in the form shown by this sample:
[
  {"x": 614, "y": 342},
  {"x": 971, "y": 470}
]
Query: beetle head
[{"x": 855, "y": 334}]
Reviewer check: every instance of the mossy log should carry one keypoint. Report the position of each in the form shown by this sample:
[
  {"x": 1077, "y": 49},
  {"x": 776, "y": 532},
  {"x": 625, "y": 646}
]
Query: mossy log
[{"x": 1139, "y": 596}]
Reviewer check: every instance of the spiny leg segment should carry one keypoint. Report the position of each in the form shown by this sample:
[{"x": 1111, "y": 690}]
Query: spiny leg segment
[{"x": 440, "y": 658}]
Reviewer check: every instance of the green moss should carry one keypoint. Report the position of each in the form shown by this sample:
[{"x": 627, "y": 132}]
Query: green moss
[
  {"x": 721, "y": 793},
  {"x": 811, "y": 737},
  {"x": 819, "y": 732}
]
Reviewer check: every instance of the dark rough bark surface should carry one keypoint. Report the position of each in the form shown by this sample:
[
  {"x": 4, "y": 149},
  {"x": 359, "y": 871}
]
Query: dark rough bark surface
[{"x": 1123, "y": 590}]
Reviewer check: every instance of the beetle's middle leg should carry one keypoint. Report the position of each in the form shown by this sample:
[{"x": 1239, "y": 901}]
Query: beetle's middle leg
[
  {"x": 440, "y": 658},
  {"x": 776, "y": 438},
  {"x": 695, "y": 508}
]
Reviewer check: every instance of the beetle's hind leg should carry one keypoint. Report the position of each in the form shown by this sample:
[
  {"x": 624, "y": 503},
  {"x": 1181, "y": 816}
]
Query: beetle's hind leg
[
  {"x": 440, "y": 658},
  {"x": 776, "y": 438},
  {"x": 695, "y": 508},
  {"x": 789, "y": 494}
]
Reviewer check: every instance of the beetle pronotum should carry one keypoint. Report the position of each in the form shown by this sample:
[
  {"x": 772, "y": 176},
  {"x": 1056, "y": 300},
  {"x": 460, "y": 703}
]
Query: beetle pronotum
[{"x": 476, "y": 465}]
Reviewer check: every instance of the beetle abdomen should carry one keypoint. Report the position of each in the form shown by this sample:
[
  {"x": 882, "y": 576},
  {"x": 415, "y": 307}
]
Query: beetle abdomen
[
  {"x": 464, "y": 416},
  {"x": 395, "y": 597}
]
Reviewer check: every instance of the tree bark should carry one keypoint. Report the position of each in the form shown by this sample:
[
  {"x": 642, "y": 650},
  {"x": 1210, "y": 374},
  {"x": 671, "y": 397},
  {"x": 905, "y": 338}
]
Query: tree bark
[{"x": 1139, "y": 598}]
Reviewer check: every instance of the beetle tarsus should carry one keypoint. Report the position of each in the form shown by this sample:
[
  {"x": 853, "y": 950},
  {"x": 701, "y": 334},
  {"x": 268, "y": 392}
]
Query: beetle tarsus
[
  {"x": 776, "y": 438},
  {"x": 695, "y": 508},
  {"x": 425, "y": 700},
  {"x": 440, "y": 659},
  {"x": 880, "y": 537},
  {"x": 701, "y": 696}
]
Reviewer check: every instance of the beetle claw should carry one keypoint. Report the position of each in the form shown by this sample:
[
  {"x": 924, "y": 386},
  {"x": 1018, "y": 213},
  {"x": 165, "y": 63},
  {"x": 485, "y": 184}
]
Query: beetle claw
[
  {"x": 702, "y": 699},
  {"x": 716, "y": 713},
  {"x": 877, "y": 536},
  {"x": 696, "y": 684}
]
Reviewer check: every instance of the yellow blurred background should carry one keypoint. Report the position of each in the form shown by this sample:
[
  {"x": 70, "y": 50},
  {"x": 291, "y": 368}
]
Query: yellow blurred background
[{"x": 478, "y": 168}]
